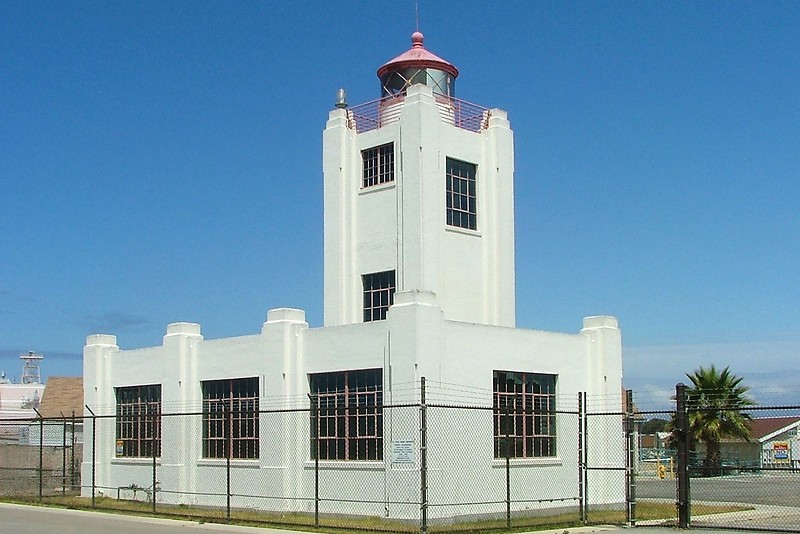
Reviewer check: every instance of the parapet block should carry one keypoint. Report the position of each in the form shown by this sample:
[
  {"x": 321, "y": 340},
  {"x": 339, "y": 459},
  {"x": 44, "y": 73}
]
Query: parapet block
[
  {"x": 600, "y": 321},
  {"x": 105, "y": 340},
  {"x": 286, "y": 315}
]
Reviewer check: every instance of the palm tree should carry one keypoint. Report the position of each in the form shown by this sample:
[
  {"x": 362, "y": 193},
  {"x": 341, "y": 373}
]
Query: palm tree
[{"x": 715, "y": 401}]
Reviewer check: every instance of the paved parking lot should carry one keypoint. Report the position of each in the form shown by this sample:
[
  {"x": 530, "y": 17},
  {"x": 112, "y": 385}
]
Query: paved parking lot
[
  {"x": 782, "y": 489},
  {"x": 775, "y": 497}
]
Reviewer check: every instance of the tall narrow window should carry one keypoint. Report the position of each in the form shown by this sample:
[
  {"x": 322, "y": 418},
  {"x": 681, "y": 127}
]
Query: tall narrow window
[
  {"x": 524, "y": 414},
  {"x": 461, "y": 197},
  {"x": 348, "y": 422},
  {"x": 378, "y": 165},
  {"x": 230, "y": 418},
  {"x": 138, "y": 421},
  {"x": 378, "y": 295}
]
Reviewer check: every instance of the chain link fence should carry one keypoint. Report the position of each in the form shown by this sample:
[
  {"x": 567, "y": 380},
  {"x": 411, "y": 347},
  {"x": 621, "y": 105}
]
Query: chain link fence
[
  {"x": 40, "y": 456},
  {"x": 755, "y": 484},
  {"x": 423, "y": 467}
]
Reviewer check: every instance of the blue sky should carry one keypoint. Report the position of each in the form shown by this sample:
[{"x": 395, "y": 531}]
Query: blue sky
[{"x": 161, "y": 162}]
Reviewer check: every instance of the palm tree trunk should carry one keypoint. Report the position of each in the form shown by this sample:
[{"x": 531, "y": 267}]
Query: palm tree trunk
[{"x": 713, "y": 461}]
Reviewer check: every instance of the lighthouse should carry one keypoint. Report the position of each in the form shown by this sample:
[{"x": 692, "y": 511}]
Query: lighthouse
[
  {"x": 418, "y": 369},
  {"x": 418, "y": 195}
]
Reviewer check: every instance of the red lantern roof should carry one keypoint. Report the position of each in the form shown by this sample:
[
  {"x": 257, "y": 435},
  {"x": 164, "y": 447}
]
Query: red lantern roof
[{"x": 418, "y": 57}]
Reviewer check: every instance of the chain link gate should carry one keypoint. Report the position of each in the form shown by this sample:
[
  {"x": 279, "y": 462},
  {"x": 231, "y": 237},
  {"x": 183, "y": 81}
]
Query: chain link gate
[{"x": 758, "y": 488}]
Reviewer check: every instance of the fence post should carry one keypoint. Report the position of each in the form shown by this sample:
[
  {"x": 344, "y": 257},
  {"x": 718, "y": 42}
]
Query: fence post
[
  {"x": 63, "y": 455},
  {"x": 630, "y": 460},
  {"x": 41, "y": 453},
  {"x": 94, "y": 452},
  {"x": 508, "y": 465},
  {"x": 581, "y": 492},
  {"x": 315, "y": 448},
  {"x": 155, "y": 422},
  {"x": 682, "y": 431},
  {"x": 584, "y": 410},
  {"x": 72, "y": 456},
  {"x": 228, "y": 452},
  {"x": 423, "y": 459}
]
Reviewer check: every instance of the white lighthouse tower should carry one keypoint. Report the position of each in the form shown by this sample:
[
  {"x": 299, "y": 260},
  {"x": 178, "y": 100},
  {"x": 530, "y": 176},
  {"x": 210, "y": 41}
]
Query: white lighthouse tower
[{"x": 419, "y": 196}]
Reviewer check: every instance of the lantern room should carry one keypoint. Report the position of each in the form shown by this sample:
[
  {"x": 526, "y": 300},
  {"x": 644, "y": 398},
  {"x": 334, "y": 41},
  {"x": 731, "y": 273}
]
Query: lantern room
[{"x": 417, "y": 66}]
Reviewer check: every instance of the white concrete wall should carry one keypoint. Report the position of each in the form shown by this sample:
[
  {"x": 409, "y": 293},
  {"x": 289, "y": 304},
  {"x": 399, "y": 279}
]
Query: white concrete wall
[
  {"x": 402, "y": 225},
  {"x": 415, "y": 341}
]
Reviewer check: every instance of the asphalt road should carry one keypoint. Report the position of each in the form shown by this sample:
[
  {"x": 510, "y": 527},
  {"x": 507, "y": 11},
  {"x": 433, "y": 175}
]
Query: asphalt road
[{"x": 20, "y": 519}]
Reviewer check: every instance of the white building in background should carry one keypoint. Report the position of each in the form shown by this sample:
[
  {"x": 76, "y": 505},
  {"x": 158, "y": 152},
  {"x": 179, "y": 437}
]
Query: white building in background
[
  {"x": 419, "y": 282},
  {"x": 19, "y": 400}
]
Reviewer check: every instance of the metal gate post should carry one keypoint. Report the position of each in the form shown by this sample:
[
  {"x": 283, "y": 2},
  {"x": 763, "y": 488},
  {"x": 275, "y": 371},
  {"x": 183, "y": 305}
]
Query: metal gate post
[{"x": 682, "y": 431}]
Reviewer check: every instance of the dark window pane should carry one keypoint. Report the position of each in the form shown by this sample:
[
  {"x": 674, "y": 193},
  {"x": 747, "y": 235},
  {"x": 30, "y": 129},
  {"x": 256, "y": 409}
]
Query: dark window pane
[
  {"x": 230, "y": 413},
  {"x": 460, "y": 193},
  {"x": 524, "y": 405},
  {"x": 138, "y": 423},
  {"x": 379, "y": 291},
  {"x": 357, "y": 422},
  {"x": 378, "y": 165}
]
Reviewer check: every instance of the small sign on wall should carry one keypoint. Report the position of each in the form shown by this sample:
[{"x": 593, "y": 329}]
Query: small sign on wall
[
  {"x": 403, "y": 452},
  {"x": 780, "y": 450}
]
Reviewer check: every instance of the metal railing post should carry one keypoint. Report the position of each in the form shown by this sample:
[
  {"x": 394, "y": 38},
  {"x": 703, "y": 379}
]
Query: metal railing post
[
  {"x": 423, "y": 459},
  {"x": 682, "y": 430},
  {"x": 630, "y": 459}
]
